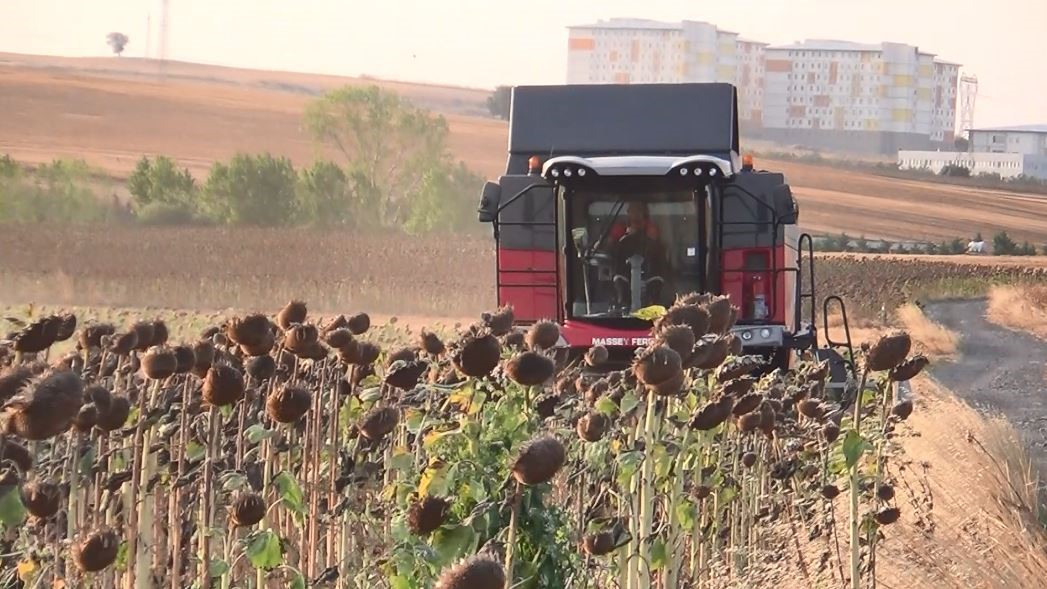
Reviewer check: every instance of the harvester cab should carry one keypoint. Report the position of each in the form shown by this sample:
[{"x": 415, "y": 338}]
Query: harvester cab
[{"x": 619, "y": 198}]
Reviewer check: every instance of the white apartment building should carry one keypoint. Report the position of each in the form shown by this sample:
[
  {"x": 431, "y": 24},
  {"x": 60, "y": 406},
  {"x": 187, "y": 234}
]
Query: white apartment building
[
  {"x": 750, "y": 80},
  {"x": 1007, "y": 151},
  {"x": 635, "y": 51},
  {"x": 856, "y": 96},
  {"x": 818, "y": 93}
]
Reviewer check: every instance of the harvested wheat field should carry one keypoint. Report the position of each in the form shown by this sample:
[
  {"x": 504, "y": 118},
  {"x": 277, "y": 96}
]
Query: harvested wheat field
[{"x": 113, "y": 111}]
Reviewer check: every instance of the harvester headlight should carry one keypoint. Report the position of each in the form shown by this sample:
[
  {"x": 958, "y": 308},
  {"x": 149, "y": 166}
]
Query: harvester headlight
[
  {"x": 697, "y": 171},
  {"x": 712, "y": 171},
  {"x": 581, "y": 172},
  {"x": 683, "y": 171},
  {"x": 747, "y": 335},
  {"x": 765, "y": 333},
  {"x": 567, "y": 172},
  {"x": 555, "y": 172}
]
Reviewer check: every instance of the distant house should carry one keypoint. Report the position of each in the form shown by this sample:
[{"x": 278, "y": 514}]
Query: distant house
[{"x": 976, "y": 247}]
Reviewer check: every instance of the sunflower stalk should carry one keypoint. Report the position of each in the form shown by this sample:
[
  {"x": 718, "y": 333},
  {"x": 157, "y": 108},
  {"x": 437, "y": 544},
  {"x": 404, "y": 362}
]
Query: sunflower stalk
[
  {"x": 855, "y": 521},
  {"x": 206, "y": 493}
]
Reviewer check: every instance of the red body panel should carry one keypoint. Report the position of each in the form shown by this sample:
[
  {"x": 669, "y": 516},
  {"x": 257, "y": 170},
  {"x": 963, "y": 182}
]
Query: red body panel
[
  {"x": 778, "y": 285},
  {"x": 527, "y": 280}
]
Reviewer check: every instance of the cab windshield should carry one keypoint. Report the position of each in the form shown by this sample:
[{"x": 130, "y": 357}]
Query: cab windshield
[{"x": 632, "y": 250}]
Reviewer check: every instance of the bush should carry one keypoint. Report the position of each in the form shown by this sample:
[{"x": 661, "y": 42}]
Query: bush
[
  {"x": 160, "y": 181},
  {"x": 445, "y": 201},
  {"x": 1003, "y": 245},
  {"x": 955, "y": 170},
  {"x": 162, "y": 213},
  {"x": 252, "y": 190},
  {"x": 59, "y": 192}
]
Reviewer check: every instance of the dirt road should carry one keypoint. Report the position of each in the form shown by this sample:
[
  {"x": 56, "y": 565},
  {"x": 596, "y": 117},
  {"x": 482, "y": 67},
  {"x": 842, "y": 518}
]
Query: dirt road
[{"x": 997, "y": 370}]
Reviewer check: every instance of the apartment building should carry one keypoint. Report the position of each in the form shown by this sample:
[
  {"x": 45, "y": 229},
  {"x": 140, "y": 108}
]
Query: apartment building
[
  {"x": 858, "y": 97},
  {"x": 635, "y": 51},
  {"x": 870, "y": 98},
  {"x": 750, "y": 80}
]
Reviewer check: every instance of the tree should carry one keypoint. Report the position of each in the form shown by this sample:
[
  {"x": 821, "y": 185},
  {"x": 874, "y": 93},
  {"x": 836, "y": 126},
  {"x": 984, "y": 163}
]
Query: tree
[
  {"x": 499, "y": 102},
  {"x": 446, "y": 200},
  {"x": 252, "y": 190},
  {"x": 161, "y": 181},
  {"x": 1003, "y": 245},
  {"x": 325, "y": 195},
  {"x": 961, "y": 144},
  {"x": 117, "y": 42},
  {"x": 388, "y": 144}
]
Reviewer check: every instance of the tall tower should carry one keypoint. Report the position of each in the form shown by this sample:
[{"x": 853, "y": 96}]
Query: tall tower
[
  {"x": 968, "y": 95},
  {"x": 164, "y": 25}
]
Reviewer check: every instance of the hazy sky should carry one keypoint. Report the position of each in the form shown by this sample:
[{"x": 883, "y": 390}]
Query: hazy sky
[{"x": 487, "y": 42}]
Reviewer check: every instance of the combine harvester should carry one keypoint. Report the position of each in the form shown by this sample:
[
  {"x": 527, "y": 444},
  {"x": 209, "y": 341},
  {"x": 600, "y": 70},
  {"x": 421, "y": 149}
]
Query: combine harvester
[{"x": 618, "y": 198}]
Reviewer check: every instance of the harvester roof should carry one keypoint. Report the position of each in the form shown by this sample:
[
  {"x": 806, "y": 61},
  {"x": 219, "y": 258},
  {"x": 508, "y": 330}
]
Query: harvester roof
[{"x": 623, "y": 120}]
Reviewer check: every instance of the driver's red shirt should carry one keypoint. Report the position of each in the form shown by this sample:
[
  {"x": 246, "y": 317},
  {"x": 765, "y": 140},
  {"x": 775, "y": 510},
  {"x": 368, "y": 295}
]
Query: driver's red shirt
[{"x": 618, "y": 230}]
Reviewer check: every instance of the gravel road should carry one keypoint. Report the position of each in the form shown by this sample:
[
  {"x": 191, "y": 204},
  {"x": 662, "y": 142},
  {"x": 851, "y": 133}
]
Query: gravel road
[{"x": 997, "y": 369}]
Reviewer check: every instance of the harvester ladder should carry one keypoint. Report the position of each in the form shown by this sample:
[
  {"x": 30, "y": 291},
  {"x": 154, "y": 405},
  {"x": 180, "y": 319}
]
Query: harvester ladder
[
  {"x": 805, "y": 253},
  {"x": 846, "y": 343}
]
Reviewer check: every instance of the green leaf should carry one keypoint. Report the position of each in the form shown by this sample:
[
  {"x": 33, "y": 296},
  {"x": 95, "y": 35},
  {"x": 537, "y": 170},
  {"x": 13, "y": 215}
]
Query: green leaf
[
  {"x": 606, "y": 406},
  {"x": 232, "y": 481},
  {"x": 401, "y": 460},
  {"x": 853, "y": 447},
  {"x": 264, "y": 550},
  {"x": 400, "y": 582},
  {"x": 298, "y": 582},
  {"x": 659, "y": 556},
  {"x": 686, "y": 514},
  {"x": 257, "y": 432},
  {"x": 218, "y": 568},
  {"x": 414, "y": 421},
  {"x": 453, "y": 543},
  {"x": 371, "y": 394},
  {"x": 12, "y": 511},
  {"x": 194, "y": 451},
  {"x": 629, "y": 402},
  {"x": 121, "y": 557},
  {"x": 87, "y": 461},
  {"x": 291, "y": 493}
]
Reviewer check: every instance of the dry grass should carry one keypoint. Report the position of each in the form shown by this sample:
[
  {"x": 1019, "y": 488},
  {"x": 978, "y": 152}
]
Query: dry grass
[
  {"x": 932, "y": 339},
  {"x": 1022, "y": 308},
  {"x": 967, "y": 496},
  {"x": 964, "y": 525}
]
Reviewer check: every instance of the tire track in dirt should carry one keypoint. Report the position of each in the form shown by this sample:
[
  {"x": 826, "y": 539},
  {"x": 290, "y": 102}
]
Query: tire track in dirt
[{"x": 997, "y": 369}]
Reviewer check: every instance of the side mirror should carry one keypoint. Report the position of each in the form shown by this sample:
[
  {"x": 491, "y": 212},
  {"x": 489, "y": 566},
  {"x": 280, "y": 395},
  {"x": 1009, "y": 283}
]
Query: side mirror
[
  {"x": 785, "y": 205},
  {"x": 489, "y": 200}
]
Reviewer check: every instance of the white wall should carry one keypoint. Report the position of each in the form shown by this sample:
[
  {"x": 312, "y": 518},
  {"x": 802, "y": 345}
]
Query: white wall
[{"x": 1007, "y": 165}]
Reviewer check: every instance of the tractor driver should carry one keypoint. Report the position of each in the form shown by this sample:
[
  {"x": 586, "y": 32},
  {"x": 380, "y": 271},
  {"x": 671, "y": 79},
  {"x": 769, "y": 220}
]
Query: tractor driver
[{"x": 638, "y": 235}]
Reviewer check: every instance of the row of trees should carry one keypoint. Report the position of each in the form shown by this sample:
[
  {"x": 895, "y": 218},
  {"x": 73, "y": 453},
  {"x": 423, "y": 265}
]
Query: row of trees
[
  {"x": 391, "y": 168},
  {"x": 1002, "y": 245}
]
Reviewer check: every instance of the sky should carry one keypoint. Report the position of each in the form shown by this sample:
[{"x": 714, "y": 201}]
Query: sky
[{"x": 484, "y": 43}]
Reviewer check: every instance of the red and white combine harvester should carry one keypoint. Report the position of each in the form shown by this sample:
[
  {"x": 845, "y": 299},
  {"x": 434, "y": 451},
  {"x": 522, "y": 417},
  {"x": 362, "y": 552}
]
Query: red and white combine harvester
[{"x": 619, "y": 198}]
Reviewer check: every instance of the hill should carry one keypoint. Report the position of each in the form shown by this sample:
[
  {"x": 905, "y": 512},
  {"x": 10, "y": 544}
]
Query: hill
[{"x": 111, "y": 111}]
